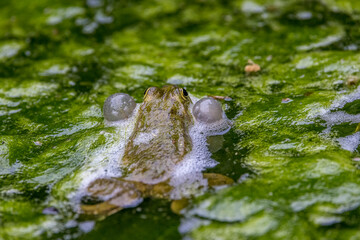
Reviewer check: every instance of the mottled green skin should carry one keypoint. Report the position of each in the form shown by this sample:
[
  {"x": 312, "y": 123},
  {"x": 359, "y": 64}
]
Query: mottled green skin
[{"x": 164, "y": 116}]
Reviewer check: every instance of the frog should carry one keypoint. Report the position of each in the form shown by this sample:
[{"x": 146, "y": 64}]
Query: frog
[{"x": 148, "y": 166}]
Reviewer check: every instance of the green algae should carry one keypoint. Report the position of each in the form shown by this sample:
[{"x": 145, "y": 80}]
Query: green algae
[{"x": 59, "y": 61}]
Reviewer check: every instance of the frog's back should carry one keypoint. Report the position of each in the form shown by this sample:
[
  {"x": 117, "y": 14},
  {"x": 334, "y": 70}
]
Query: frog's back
[{"x": 160, "y": 139}]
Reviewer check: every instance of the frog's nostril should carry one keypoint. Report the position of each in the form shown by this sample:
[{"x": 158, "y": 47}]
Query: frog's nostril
[
  {"x": 208, "y": 110},
  {"x": 118, "y": 106}
]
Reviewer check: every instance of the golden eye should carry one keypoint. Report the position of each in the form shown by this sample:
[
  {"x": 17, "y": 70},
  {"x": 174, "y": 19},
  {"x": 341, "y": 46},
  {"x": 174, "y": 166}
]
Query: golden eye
[
  {"x": 151, "y": 91},
  {"x": 184, "y": 93},
  {"x": 146, "y": 92}
]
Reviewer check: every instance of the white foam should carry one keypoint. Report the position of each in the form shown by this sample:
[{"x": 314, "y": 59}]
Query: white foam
[
  {"x": 341, "y": 101},
  {"x": 104, "y": 162},
  {"x": 334, "y": 116},
  {"x": 189, "y": 224},
  {"x": 187, "y": 178},
  {"x": 317, "y": 110},
  {"x": 146, "y": 137},
  {"x": 350, "y": 142}
]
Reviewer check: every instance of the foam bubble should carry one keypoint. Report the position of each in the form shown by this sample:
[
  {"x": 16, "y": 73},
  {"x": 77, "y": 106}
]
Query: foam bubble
[{"x": 118, "y": 106}]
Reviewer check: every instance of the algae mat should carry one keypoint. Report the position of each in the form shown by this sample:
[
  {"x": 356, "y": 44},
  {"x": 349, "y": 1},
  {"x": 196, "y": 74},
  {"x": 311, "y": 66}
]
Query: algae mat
[{"x": 293, "y": 150}]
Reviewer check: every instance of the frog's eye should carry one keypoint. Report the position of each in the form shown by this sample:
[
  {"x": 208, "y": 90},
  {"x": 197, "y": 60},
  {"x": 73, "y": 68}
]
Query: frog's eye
[
  {"x": 184, "y": 93},
  {"x": 145, "y": 92}
]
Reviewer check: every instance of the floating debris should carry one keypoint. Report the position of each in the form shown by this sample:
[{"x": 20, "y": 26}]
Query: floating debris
[
  {"x": 286, "y": 100},
  {"x": 38, "y": 143},
  {"x": 50, "y": 211},
  {"x": 352, "y": 80},
  {"x": 252, "y": 67}
]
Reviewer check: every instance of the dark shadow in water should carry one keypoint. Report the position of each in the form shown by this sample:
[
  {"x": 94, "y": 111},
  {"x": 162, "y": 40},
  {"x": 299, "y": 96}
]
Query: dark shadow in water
[
  {"x": 153, "y": 219},
  {"x": 230, "y": 156}
]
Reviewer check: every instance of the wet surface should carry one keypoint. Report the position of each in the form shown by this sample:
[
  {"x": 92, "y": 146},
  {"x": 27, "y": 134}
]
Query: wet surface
[{"x": 293, "y": 149}]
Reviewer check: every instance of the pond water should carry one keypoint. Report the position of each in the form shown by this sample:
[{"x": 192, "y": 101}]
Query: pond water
[{"x": 293, "y": 150}]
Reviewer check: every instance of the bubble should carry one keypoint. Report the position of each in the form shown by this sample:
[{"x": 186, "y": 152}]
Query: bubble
[
  {"x": 208, "y": 110},
  {"x": 118, "y": 106}
]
